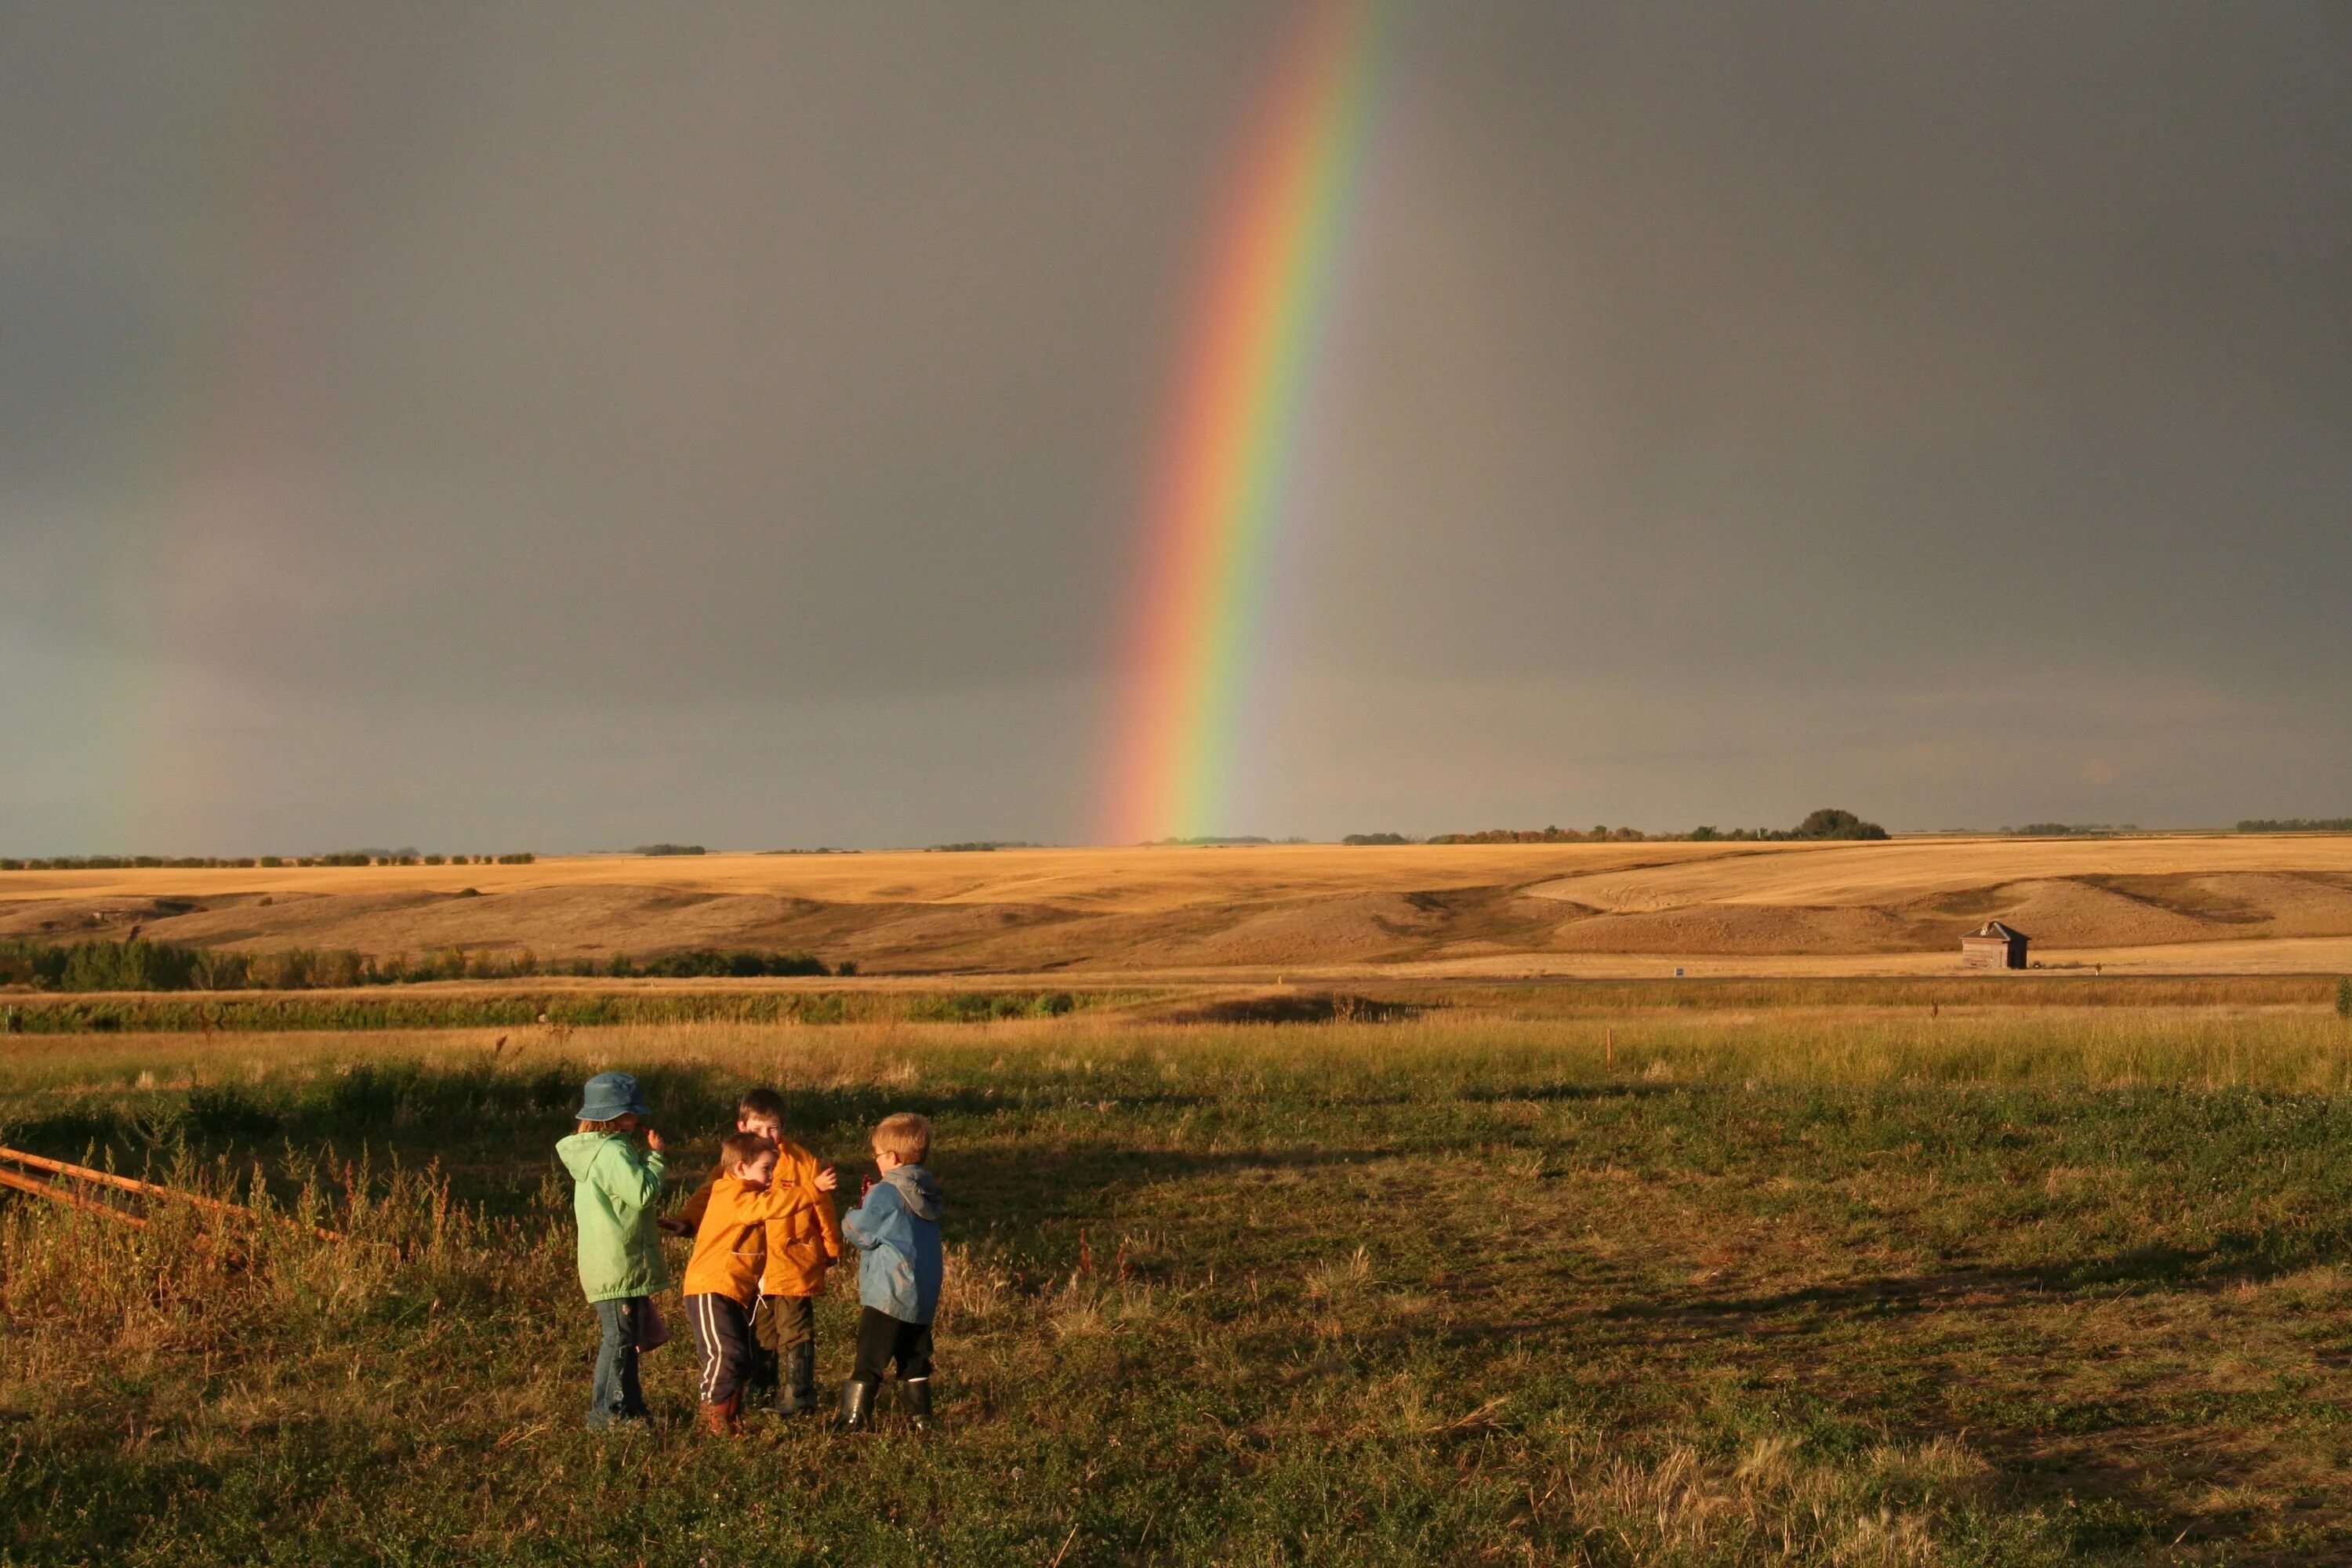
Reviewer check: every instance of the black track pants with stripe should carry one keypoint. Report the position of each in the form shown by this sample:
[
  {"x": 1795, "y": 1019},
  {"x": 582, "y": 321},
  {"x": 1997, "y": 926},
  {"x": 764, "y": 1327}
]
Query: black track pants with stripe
[{"x": 722, "y": 1328}]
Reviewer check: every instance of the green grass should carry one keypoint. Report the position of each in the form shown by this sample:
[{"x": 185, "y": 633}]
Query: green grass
[
  {"x": 2033, "y": 1287},
  {"x": 474, "y": 1007}
]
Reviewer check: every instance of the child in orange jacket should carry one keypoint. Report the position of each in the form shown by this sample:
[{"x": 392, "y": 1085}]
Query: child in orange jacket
[
  {"x": 800, "y": 1248},
  {"x": 722, "y": 1279}
]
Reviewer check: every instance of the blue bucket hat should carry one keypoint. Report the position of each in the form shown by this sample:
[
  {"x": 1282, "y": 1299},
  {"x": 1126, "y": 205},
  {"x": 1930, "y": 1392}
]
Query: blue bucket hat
[{"x": 610, "y": 1095}]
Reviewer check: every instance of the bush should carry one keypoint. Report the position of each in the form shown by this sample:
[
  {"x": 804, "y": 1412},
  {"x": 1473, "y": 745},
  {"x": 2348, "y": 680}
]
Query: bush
[
  {"x": 1830, "y": 823},
  {"x": 98, "y": 966},
  {"x": 741, "y": 963}
]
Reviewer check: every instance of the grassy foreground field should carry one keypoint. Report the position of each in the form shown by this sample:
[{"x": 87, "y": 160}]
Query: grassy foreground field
[{"x": 1804, "y": 1285}]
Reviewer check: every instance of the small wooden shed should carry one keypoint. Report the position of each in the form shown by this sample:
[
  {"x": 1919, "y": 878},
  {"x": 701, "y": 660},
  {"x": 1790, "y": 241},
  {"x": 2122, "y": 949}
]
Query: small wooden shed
[{"x": 1993, "y": 945}]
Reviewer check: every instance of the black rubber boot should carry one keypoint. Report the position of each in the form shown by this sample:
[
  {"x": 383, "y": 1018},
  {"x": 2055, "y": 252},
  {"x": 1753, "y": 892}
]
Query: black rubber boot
[
  {"x": 915, "y": 1400},
  {"x": 797, "y": 1397},
  {"x": 760, "y": 1387},
  {"x": 856, "y": 1406}
]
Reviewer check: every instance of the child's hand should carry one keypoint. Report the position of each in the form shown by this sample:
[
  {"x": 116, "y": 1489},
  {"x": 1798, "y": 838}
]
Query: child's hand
[
  {"x": 654, "y": 1140},
  {"x": 827, "y": 1178}
]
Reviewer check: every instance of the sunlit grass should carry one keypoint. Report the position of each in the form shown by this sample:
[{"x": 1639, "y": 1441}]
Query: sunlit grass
[{"x": 1789, "y": 1286}]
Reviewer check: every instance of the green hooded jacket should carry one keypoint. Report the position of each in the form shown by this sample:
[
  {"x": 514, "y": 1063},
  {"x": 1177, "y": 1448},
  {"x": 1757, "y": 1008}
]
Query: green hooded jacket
[{"x": 616, "y": 1186}]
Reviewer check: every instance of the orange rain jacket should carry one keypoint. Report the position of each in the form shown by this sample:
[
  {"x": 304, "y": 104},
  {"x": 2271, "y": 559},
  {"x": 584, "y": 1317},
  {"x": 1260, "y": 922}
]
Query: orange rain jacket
[
  {"x": 728, "y": 1250},
  {"x": 800, "y": 1246}
]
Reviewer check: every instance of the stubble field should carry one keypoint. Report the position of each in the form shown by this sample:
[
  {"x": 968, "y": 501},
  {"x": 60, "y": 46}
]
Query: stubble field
[
  {"x": 2212, "y": 904},
  {"x": 1520, "y": 1275}
]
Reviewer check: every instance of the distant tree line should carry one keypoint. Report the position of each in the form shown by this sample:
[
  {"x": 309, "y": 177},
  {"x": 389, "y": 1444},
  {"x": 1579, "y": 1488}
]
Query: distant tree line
[
  {"x": 1549, "y": 835},
  {"x": 671, "y": 850},
  {"x": 979, "y": 846},
  {"x": 2296, "y": 825},
  {"x": 1826, "y": 824},
  {"x": 265, "y": 862},
  {"x": 2070, "y": 830},
  {"x": 141, "y": 965},
  {"x": 1209, "y": 842}
]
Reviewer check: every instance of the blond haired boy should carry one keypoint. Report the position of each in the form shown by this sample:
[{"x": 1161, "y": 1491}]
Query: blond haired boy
[{"x": 897, "y": 1231}]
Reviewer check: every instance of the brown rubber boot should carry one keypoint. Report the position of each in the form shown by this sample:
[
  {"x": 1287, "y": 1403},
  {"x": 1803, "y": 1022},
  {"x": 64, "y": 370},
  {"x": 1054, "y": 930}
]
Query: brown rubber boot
[{"x": 724, "y": 1420}]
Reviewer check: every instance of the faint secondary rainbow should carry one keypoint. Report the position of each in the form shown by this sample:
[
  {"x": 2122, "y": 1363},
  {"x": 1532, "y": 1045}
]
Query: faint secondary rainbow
[
  {"x": 237, "y": 359},
  {"x": 1224, "y": 492}
]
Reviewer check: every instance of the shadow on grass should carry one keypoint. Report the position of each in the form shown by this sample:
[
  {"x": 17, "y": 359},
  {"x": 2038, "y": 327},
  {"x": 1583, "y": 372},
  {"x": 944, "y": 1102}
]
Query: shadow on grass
[
  {"x": 1572, "y": 1092},
  {"x": 2236, "y": 1258}
]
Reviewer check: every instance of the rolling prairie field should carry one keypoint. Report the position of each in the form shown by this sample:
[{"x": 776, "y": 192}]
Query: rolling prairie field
[
  {"x": 1819, "y": 1271},
  {"x": 2268, "y": 903}
]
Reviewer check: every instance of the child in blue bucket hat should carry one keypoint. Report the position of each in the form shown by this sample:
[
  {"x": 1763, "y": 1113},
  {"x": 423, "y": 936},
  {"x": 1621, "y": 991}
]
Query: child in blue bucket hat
[{"x": 616, "y": 1188}]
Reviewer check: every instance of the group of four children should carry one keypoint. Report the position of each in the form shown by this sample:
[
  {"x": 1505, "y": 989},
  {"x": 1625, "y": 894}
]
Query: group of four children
[{"x": 764, "y": 1234}]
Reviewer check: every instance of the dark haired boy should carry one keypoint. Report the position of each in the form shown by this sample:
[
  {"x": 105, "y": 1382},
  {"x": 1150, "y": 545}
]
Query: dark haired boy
[
  {"x": 798, "y": 1248},
  {"x": 722, "y": 1280}
]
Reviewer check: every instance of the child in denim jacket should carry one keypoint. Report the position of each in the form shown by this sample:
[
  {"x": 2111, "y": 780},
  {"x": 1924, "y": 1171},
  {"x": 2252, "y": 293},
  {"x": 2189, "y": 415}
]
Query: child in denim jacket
[{"x": 897, "y": 1232}]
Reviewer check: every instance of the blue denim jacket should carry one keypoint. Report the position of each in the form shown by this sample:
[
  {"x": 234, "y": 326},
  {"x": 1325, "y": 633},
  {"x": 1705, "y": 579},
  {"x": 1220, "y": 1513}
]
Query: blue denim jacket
[{"x": 897, "y": 1233}]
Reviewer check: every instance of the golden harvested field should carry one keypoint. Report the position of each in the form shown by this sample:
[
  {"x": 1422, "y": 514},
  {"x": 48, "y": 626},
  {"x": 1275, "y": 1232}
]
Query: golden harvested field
[{"x": 2222, "y": 903}]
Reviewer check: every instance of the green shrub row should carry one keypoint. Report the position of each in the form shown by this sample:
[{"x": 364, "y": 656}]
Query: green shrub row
[
  {"x": 235, "y": 1013},
  {"x": 265, "y": 862},
  {"x": 140, "y": 965},
  {"x": 1825, "y": 823}
]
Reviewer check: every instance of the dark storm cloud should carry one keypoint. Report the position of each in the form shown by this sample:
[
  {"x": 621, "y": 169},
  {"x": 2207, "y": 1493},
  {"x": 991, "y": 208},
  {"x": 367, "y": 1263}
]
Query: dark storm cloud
[
  {"x": 1889, "y": 338},
  {"x": 606, "y": 423}
]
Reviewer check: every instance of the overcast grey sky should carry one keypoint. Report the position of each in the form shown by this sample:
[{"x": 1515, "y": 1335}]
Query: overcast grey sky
[{"x": 571, "y": 425}]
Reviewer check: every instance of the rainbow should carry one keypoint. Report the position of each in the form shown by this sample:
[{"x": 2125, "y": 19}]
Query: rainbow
[{"x": 1222, "y": 495}]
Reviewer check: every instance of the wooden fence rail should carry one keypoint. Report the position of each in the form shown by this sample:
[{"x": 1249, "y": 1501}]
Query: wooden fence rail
[{"x": 57, "y": 1192}]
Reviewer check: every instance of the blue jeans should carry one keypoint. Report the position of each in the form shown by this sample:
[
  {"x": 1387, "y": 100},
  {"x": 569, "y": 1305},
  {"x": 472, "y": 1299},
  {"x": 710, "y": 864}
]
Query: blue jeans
[{"x": 618, "y": 1396}]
